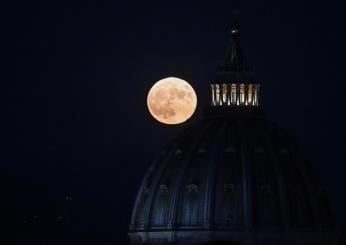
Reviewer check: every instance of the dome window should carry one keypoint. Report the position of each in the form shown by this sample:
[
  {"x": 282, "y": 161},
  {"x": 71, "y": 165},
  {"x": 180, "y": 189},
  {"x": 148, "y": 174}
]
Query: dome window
[
  {"x": 163, "y": 189},
  {"x": 192, "y": 188},
  {"x": 229, "y": 188}
]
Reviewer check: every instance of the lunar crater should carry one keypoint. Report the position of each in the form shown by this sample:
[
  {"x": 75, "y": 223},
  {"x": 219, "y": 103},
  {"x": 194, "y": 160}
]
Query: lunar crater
[{"x": 171, "y": 100}]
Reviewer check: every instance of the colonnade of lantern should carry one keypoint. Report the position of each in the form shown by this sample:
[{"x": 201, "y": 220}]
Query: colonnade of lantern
[{"x": 234, "y": 94}]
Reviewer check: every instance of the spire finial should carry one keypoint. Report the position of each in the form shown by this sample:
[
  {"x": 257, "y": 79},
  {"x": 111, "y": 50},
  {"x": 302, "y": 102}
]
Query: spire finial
[
  {"x": 234, "y": 59},
  {"x": 235, "y": 28},
  {"x": 235, "y": 32}
]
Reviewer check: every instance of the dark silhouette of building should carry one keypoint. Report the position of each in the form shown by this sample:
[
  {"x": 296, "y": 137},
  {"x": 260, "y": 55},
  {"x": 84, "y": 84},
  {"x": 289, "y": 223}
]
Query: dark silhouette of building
[{"x": 234, "y": 177}]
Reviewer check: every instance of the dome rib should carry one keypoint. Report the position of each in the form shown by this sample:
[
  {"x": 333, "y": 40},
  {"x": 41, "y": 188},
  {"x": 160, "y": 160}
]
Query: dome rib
[
  {"x": 186, "y": 162},
  {"x": 209, "y": 208},
  {"x": 282, "y": 188},
  {"x": 231, "y": 177},
  {"x": 146, "y": 203},
  {"x": 228, "y": 189},
  {"x": 247, "y": 177}
]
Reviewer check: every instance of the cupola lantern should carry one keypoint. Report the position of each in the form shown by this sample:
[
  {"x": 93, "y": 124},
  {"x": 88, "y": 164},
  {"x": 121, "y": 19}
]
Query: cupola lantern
[{"x": 233, "y": 85}]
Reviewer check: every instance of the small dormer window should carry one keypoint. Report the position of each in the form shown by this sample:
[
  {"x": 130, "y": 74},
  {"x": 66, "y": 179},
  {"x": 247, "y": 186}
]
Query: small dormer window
[
  {"x": 163, "y": 189},
  {"x": 192, "y": 188}
]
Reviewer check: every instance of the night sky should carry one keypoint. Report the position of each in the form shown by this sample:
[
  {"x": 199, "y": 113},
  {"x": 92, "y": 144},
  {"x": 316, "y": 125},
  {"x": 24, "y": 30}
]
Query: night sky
[{"x": 78, "y": 136}]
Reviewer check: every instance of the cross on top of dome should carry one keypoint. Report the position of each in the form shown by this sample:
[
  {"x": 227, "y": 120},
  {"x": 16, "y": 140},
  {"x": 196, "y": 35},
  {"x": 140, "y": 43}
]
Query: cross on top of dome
[{"x": 234, "y": 60}]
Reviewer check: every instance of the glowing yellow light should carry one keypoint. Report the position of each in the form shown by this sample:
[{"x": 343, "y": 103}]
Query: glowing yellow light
[
  {"x": 249, "y": 94},
  {"x": 242, "y": 94},
  {"x": 233, "y": 94}
]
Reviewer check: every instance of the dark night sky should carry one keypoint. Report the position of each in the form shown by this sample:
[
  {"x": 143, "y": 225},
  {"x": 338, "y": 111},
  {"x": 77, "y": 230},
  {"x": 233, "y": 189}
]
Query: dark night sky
[{"x": 79, "y": 73}]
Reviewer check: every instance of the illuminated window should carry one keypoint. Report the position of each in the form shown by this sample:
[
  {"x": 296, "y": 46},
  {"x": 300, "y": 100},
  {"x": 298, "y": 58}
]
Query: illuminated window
[
  {"x": 249, "y": 94},
  {"x": 233, "y": 94},
  {"x": 224, "y": 93},
  {"x": 242, "y": 94}
]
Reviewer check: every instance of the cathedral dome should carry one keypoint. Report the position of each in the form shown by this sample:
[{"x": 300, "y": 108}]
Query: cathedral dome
[
  {"x": 231, "y": 176},
  {"x": 234, "y": 176}
]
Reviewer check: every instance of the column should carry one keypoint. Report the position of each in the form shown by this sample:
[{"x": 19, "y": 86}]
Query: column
[
  {"x": 217, "y": 90},
  {"x": 212, "y": 89}
]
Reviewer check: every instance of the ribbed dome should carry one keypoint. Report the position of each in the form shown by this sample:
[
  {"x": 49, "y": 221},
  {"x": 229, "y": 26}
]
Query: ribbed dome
[
  {"x": 234, "y": 176},
  {"x": 229, "y": 174}
]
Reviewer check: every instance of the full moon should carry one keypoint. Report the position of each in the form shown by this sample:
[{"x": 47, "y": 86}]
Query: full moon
[{"x": 171, "y": 100}]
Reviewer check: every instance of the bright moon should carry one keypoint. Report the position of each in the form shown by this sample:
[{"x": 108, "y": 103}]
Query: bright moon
[{"x": 171, "y": 100}]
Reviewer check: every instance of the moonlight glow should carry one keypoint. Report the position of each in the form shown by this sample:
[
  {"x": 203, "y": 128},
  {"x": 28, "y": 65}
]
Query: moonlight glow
[{"x": 171, "y": 100}]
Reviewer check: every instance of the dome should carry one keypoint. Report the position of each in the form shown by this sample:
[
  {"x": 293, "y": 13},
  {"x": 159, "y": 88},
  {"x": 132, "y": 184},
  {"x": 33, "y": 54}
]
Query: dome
[{"x": 233, "y": 177}]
